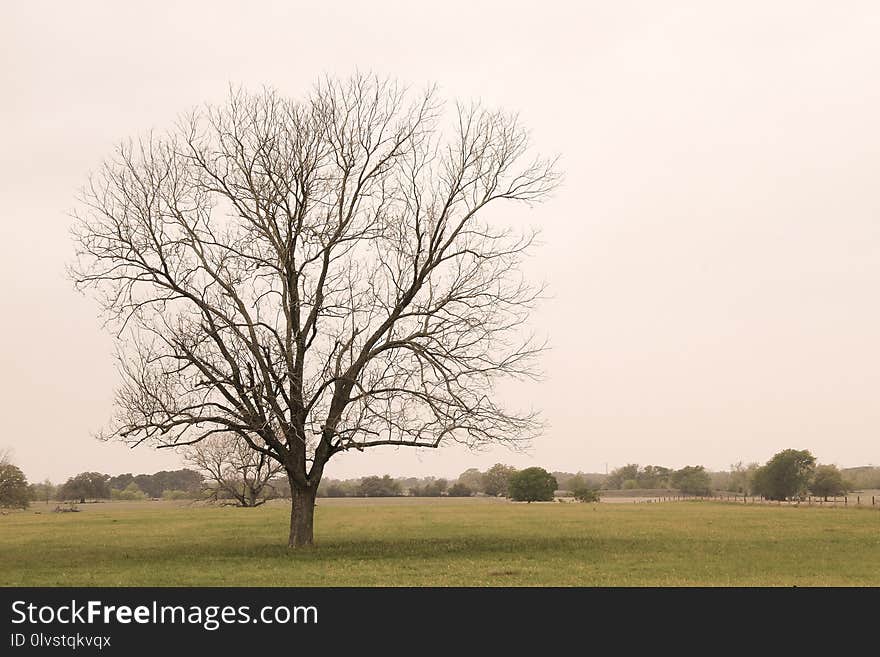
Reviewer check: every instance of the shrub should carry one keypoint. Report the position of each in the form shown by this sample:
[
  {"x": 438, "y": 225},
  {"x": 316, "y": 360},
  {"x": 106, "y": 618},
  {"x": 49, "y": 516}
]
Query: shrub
[{"x": 586, "y": 494}]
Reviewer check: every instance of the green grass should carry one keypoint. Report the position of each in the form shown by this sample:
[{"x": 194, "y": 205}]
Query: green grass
[{"x": 445, "y": 543}]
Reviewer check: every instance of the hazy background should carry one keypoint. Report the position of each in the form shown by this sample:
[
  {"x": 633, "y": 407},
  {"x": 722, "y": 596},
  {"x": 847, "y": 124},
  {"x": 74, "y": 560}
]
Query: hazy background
[{"x": 714, "y": 255}]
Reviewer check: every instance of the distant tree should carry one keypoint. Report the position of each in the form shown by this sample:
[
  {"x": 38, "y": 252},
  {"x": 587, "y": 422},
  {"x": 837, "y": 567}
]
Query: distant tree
[
  {"x": 691, "y": 480},
  {"x": 431, "y": 488},
  {"x": 654, "y": 476},
  {"x": 473, "y": 479},
  {"x": 383, "y": 486},
  {"x": 234, "y": 470},
  {"x": 619, "y": 476},
  {"x": 459, "y": 489},
  {"x": 85, "y": 486},
  {"x": 828, "y": 480},
  {"x": 154, "y": 485},
  {"x": 14, "y": 491},
  {"x": 571, "y": 483},
  {"x": 332, "y": 489},
  {"x": 787, "y": 474},
  {"x": 585, "y": 493},
  {"x": 184, "y": 479},
  {"x": 741, "y": 476},
  {"x": 495, "y": 481},
  {"x": 42, "y": 492},
  {"x": 532, "y": 485},
  {"x": 119, "y": 482},
  {"x": 130, "y": 493}
]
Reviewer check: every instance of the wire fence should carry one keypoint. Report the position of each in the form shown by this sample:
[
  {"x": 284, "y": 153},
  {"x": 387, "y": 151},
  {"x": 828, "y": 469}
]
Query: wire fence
[{"x": 832, "y": 501}]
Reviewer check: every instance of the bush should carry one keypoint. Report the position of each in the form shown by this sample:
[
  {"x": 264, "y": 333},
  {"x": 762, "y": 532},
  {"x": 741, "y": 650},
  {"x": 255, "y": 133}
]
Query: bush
[{"x": 586, "y": 494}]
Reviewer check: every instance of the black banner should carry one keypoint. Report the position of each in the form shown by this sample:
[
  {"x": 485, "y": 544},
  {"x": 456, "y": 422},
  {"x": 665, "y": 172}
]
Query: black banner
[{"x": 411, "y": 620}]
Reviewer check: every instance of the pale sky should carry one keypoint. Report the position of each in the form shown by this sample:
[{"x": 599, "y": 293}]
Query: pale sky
[{"x": 713, "y": 256}]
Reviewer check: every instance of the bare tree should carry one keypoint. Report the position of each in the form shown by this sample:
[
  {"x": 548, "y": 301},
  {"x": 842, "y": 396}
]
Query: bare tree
[
  {"x": 316, "y": 276},
  {"x": 234, "y": 469}
]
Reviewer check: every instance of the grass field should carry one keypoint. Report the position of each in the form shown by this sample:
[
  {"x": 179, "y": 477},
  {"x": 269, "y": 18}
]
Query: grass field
[{"x": 444, "y": 542}]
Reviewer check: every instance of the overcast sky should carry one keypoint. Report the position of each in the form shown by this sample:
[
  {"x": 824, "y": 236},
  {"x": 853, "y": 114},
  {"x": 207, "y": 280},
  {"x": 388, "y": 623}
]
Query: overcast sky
[{"x": 713, "y": 256}]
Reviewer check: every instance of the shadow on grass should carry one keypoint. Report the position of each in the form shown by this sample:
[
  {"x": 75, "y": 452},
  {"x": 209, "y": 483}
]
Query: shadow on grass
[{"x": 368, "y": 549}]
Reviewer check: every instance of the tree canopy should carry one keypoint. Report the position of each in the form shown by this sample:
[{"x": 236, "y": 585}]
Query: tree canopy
[
  {"x": 786, "y": 475},
  {"x": 827, "y": 481},
  {"x": 497, "y": 478},
  {"x": 691, "y": 480},
  {"x": 13, "y": 486},
  {"x": 532, "y": 485},
  {"x": 383, "y": 486},
  {"x": 85, "y": 486}
]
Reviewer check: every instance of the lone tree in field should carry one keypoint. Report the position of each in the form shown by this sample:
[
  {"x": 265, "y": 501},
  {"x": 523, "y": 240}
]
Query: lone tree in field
[
  {"x": 787, "y": 474},
  {"x": 14, "y": 490},
  {"x": 532, "y": 485},
  {"x": 233, "y": 469},
  {"x": 316, "y": 277}
]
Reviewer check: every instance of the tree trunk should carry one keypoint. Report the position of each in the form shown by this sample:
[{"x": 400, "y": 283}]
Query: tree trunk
[{"x": 302, "y": 515}]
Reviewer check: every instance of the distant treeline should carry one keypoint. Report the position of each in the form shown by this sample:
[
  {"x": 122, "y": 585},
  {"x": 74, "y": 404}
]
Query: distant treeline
[
  {"x": 749, "y": 479},
  {"x": 173, "y": 484},
  {"x": 190, "y": 484},
  {"x": 692, "y": 480}
]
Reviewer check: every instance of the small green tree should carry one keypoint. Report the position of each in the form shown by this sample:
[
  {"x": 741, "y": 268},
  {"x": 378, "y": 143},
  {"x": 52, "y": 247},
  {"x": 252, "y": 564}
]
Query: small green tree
[
  {"x": 691, "y": 480},
  {"x": 828, "y": 480},
  {"x": 14, "y": 491},
  {"x": 532, "y": 485},
  {"x": 787, "y": 474}
]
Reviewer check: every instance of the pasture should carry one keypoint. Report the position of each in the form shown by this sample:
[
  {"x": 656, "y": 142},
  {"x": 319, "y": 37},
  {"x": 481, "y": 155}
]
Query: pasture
[{"x": 443, "y": 542}]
